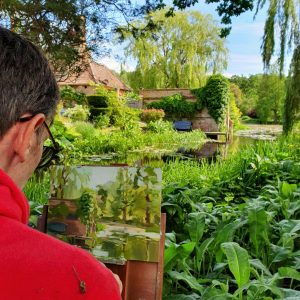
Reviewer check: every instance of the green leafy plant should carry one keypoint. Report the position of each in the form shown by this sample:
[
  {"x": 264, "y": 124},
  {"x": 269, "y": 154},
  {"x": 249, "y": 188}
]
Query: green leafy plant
[
  {"x": 239, "y": 218},
  {"x": 102, "y": 121},
  {"x": 160, "y": 126},
  {"x": 77, "y": 113},
  {"x": 214, "y": 96},
  {"x": 175, "y": 106},
  {"x": 71, "y": 97}
]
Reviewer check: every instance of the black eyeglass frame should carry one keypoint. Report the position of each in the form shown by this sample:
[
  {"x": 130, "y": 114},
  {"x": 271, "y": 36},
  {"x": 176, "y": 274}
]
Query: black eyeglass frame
[{"x": 54, "y": 150}]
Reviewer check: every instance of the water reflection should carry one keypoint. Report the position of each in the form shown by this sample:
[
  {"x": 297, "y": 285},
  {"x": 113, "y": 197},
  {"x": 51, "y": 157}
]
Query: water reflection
[
  {"x": 124, "y": 246},
  {"x": 209, "y": 150}
]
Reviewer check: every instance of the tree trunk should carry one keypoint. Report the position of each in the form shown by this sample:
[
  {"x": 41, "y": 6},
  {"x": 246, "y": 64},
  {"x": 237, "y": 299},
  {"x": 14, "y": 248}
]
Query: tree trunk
[{"x": 147, "y": 218}]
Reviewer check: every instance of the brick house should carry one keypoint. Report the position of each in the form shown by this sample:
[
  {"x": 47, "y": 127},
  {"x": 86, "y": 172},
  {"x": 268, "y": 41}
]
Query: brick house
[{"x": 95, "y": 73}]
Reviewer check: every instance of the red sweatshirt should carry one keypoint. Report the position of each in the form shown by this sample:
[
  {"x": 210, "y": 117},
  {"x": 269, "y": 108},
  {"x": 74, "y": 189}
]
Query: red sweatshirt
[{"x": 36, "y": 266}]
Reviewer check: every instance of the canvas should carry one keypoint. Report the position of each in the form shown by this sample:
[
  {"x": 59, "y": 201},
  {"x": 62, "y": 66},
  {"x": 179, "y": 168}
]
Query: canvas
[{"x": 114, "y": 212}]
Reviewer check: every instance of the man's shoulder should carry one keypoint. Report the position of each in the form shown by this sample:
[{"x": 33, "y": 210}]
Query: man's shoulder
[
  {"x": 40, "y": 245},
  {"x": 60, "y": 265}
]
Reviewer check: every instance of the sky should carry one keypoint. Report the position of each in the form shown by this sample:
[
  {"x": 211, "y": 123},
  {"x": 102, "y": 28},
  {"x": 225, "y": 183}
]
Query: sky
[{"x": 244, "y": 43}]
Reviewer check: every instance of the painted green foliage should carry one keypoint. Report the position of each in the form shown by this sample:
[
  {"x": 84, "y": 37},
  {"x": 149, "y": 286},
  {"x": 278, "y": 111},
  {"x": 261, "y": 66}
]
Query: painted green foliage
[
  {"x": 134, "y": 194},
  {"x": 67, "y": 182},
  {"x": 180, "y": 54},
  {"x": 89, "y": 210},
  {"x": 133, "y": 197},
  {"x": 113, "y": 211}
]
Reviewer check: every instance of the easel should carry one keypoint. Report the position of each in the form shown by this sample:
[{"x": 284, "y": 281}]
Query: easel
[{"x": 141, "y": 280}]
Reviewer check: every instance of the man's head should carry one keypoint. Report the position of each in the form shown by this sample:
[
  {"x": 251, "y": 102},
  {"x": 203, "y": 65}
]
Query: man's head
[{"x": 27, "y": 88}]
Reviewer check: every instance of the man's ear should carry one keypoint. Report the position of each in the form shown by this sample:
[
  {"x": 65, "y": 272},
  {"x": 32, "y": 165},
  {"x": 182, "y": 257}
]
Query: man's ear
[{"x": 27, "y": 136}]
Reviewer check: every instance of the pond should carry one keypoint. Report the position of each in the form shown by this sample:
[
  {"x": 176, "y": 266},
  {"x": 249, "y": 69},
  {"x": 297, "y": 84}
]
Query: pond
[{"x": 210, "y": 150}]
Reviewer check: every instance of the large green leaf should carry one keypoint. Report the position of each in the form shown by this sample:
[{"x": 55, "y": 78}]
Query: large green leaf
[
  {"x": 238, "y": 261},
  {"x": 170, "y": 256},
  {"x": 258, "y": 265},
  {"x": 287, "y": 189},
  {"x": 258, "y": 228},
  {"x": 175, "y": 252},
  {"x": 200, "y": 251},
  {"x": 286, "y": 272},
  {"x": 186, "y": 249},
  {"x": 290, "y": 226},
  {"x": 279, "y": 253},
  {"x": 290, "y": 294},
  {"x": 195, "y": 226},
  {"x": 224, "y": 234},
  {"x": 188, "y": 279}
]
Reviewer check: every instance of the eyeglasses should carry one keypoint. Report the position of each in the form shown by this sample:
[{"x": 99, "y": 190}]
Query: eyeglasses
[{"x": 49, "y": 152}]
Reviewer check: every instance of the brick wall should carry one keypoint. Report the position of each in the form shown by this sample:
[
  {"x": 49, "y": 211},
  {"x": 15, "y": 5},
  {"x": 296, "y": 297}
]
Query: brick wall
[
  {"x": 202, "y": 120},
  {"x": 156, "y": 94}
]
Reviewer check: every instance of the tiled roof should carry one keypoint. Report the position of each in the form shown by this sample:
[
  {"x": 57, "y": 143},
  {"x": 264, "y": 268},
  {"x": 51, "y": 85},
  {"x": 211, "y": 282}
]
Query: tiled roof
[{"x": 97, "y": 73}]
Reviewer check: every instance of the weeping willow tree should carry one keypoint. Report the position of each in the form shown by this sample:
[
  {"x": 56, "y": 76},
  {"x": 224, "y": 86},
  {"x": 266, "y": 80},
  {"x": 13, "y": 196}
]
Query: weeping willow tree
[
  {"x": 292, "y": 102},
  {"x": 283, "y": 16},
  {"x": 180, "y": 54}
]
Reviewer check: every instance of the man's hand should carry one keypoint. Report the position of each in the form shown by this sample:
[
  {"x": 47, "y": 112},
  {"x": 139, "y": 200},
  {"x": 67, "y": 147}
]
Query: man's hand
[{"x": 120, "y": 284}]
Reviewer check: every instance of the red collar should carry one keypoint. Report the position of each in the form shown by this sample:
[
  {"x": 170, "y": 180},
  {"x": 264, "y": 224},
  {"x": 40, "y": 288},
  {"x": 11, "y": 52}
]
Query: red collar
[{"x": 13, "y": 203}]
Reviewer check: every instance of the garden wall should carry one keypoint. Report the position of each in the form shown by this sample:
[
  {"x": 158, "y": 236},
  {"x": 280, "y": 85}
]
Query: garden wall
[
  {"x": 202, "y": 120},
  {"x": 152, "y": 95}
]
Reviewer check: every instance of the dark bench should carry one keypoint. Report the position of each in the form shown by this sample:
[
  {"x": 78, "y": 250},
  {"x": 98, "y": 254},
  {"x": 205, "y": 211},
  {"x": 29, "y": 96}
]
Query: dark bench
[{"x": 182, "y": 125}]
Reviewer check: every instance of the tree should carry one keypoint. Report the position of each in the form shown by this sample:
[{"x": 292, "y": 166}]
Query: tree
[
  {"x": 237, "y": 93},
  {"x": 235, "y": 98},
  {"x": 271, "y": 93},
  {"x": 69, "y": 30},
  {"x": 180, "y": 54},
  {"x": 284, "y": 15},
  {"x": 292, "y": 101},
  {"x": 249, "y": 88}
]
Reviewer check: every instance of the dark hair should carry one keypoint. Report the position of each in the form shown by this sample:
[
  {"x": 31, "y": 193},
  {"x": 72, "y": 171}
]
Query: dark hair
[{"x": 27, "y": 84}]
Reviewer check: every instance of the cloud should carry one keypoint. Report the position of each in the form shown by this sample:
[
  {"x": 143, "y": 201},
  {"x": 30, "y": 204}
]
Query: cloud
[
  {"x": 111, "y": 63},
  {"x": 114, "y": 65}
]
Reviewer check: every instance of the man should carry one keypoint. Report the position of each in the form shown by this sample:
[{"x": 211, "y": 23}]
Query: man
[{"x": 34, "y": 265}]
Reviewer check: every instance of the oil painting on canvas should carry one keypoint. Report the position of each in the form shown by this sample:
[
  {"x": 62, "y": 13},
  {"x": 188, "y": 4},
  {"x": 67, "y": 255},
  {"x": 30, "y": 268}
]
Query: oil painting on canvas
[{"x": 114, "y": 212}]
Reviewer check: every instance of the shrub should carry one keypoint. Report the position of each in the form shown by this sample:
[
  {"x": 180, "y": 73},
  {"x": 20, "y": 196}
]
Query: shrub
[
  {"x": 152, "y": 114},
  {"x": 98, "y": 105},
  {"x": 160, "y": 126},
  {"x": 87, "y": 130},
  {"x": 77, "y": 113},
  {"x": 97, "y": 101},
  {"x": 102, "y": 121},
  {"x": 175, "y": 106},
  {"x": 131, "y": 96},
  {"x": 214, "y": 96},
  {"x": 70, "y": 97},
  {"x": 235, "y": 113}
]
